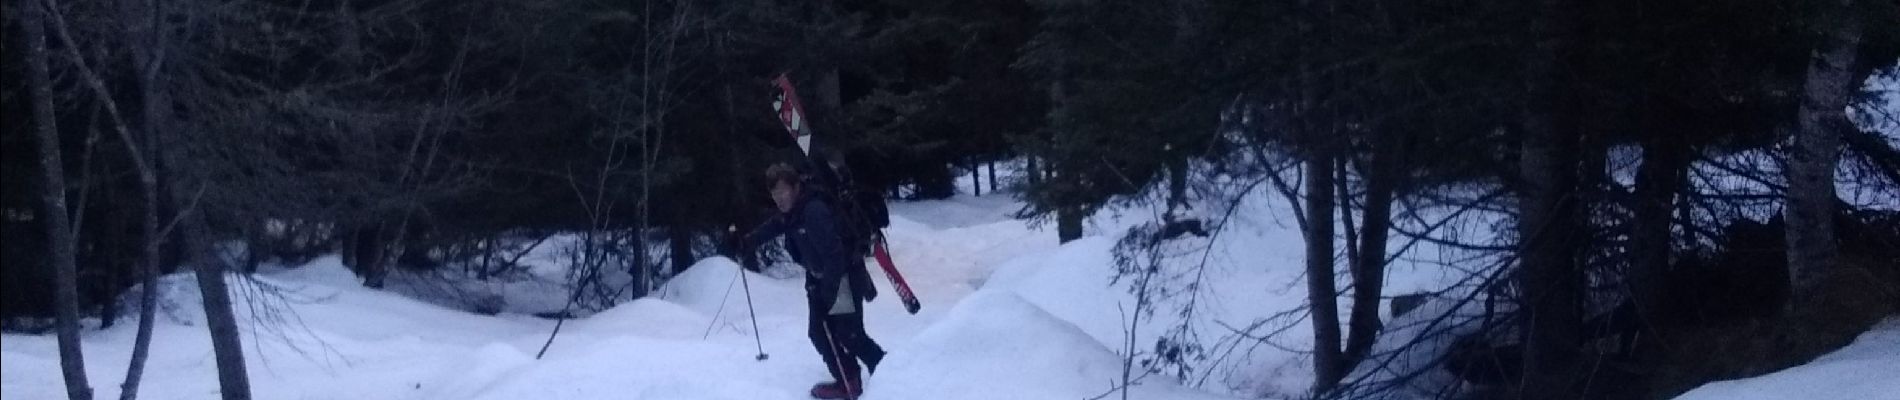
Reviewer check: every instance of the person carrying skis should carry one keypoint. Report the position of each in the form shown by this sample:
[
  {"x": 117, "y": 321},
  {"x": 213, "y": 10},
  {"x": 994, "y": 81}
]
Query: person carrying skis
[{"x": 815, "y": 240}]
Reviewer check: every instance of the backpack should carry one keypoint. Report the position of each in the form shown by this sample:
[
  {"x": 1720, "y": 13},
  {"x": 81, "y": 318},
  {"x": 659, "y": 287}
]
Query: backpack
[{"x": 860, "y": 213}]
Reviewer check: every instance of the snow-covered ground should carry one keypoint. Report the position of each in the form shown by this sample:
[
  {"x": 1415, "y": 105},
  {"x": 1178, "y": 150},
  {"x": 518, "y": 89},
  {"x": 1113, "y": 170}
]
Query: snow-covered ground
[
  {"x": 313, "y": 332},
  {"x": 1867, "y": 369},
  {"x": 1008, "y": 313}
]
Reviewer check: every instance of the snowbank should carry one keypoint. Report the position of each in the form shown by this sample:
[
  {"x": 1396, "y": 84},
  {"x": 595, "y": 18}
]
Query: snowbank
[
  {"x": 996, "y": 345},
  {"x": 1867, "y": 369},
  {"x": 1049, "y": 358}
]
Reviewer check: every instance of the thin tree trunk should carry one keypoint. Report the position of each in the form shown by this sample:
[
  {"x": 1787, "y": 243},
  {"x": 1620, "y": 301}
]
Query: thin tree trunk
[
  {"x": 148, "y": 266},
  {"x": 148, "y": 187},
  {"x": 976, "y": 179},
  {"x": 1321, "y": 285},
  {"x": 488, "y": 248},
  {"x": 1368, "y": 274},
  {"x": 220, "y": 321},
  {"x": 1322, "y": 292},
  {"x": 642, "y": 274},
  {"x": 1348, "y": 230},
  {"x": 108, "y": 310},
  {"x": 992, "y": 176},
  {"x": 234, "y": 382},
  {"x": 1811, "y": 194},
  {"x": 1547, "y": 220},
  {"x": 53, "y": 198}
]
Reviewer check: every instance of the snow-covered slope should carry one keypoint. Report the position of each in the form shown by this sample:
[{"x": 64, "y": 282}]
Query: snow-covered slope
[{"x": 1867, "y": 369}]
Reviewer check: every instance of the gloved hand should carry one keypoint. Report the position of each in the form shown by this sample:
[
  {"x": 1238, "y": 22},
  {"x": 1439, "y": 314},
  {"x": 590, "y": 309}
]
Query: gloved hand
[
  {"x": 868, "y": 293},
  {"x": 733, "y": 244}
]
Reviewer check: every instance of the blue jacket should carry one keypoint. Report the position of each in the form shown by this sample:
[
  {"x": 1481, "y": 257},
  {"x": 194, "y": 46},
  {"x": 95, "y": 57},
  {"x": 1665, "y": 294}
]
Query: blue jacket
[{"x": 812, "y": 239}]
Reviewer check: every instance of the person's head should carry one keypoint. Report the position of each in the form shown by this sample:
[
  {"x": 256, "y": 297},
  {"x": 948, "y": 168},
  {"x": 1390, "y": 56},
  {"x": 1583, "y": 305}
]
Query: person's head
[{"x": 784, "y": 181}]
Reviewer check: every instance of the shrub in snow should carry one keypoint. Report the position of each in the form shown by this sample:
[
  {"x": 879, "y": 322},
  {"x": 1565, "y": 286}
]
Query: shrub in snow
[{"x": 488, "y": 303}]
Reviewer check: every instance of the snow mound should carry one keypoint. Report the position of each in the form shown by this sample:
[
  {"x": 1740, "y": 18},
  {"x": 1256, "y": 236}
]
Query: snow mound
[
  {"x": 962, "y": 356},
  {"x": 1867, "y": 369},
  {"x": 712, "y": 286},
  {"x": 957, "y": 357},
  {"x": 1072, "y": 284},
  {"x": 647, "y": 317}
]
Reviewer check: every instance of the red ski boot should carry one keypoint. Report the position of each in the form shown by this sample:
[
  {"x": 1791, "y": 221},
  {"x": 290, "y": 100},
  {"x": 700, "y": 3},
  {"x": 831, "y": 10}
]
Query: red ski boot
[{"x": 834, "y": 391}]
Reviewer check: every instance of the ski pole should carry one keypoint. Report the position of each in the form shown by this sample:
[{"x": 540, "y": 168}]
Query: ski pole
[
  {"x": 722, "y": 307},
  {"x": 750, "y": 313}
]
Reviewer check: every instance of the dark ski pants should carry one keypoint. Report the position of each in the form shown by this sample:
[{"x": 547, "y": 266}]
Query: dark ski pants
[{"x": 841, "y": 341}]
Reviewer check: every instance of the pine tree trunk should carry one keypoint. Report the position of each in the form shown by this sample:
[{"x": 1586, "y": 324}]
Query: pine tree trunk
[
  {"x": 1322, "y": 292},
  {"x": 1812, "y": 249},
  {"x": 681, "y": 241},
  {"x": 59, "y": 236},
  {"x": 1068, "y": 224},
  {"x": 1368, "y": 275},
  {"x": 1665, "y": 168},
  {"x": 1031, "y": 172},
  {"x": 1548, "y": 269},
  {"x": 1068, "y": 217},
  {"x": 1547, "y": 219}
]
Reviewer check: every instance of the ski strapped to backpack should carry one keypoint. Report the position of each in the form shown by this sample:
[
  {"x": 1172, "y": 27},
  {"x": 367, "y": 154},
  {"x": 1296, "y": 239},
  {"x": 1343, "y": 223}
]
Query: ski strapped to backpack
[{"x": 791, "y": 113}]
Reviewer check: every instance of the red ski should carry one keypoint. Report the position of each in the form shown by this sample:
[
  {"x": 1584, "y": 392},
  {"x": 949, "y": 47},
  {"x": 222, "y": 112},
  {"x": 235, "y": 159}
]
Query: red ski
[
  {"x": 897, "y": 280},
  {"x": 791, "y": 113}
]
